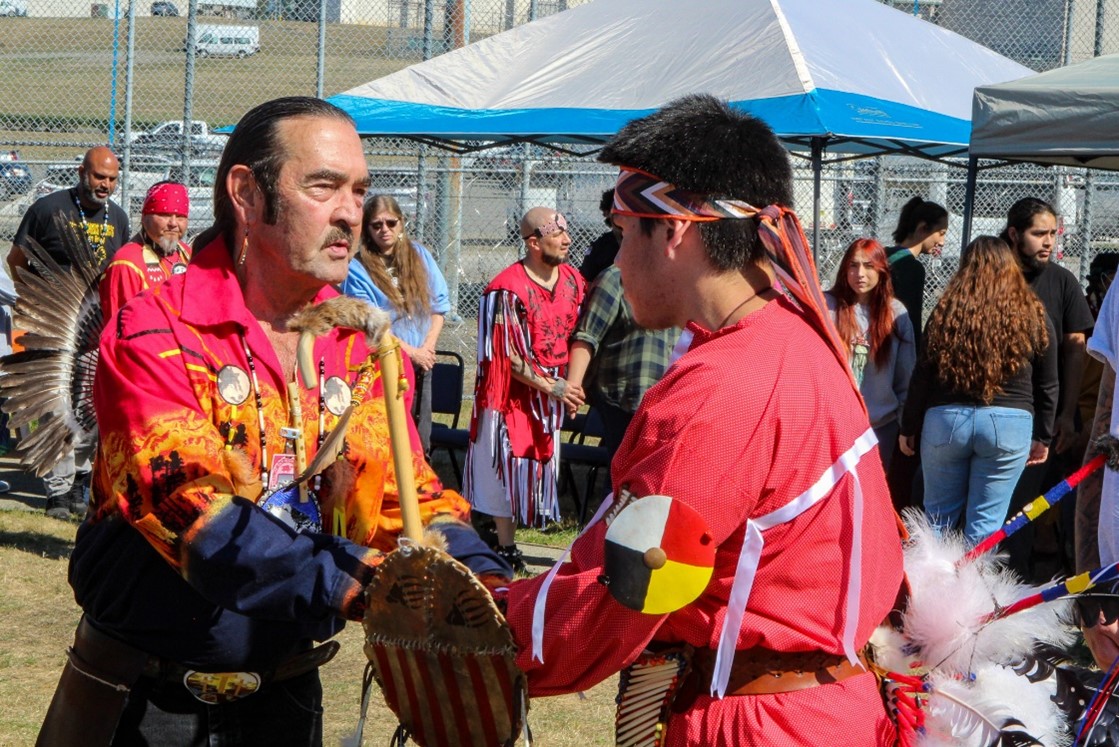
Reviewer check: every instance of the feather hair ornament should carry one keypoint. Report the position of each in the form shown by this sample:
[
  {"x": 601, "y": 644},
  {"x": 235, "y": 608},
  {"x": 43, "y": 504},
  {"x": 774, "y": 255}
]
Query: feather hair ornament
[
  {"x": 51, "y": 380},
  {"x": 950, "y": 668}
]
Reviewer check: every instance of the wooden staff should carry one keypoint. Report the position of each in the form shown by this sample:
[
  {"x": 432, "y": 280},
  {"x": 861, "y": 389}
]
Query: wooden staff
[
  {"x": 300, "y": 443},
  {"x": 388, "y": 355}
]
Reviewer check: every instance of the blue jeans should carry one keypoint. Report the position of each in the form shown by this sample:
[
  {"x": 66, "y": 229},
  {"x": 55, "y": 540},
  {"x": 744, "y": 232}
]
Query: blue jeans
[{"x": 972, "y": 457}]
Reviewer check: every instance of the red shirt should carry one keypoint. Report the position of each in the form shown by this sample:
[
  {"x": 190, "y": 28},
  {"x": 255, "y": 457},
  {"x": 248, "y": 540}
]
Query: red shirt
[
  {"x": 747, "y": 420},
  {"x": 520, "y": 316},
  {"x": 180, "y": 433},
  {"x": 134, "y": 269}
]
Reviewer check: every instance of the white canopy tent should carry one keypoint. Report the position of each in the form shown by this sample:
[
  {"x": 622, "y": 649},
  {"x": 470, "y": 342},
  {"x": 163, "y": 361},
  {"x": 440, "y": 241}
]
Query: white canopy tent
[
  {"x": 857, "y": 75},
  {"x": 1067, "y": 116},
  {"x": 846, "y": 78}
]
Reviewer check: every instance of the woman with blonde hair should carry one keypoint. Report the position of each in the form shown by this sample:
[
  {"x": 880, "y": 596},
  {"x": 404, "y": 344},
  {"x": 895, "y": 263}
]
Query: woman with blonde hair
[
  {"x": 875, "y": 328},
  {"x": 984, "y": 394},
  {"x": 399, "y": 275}
]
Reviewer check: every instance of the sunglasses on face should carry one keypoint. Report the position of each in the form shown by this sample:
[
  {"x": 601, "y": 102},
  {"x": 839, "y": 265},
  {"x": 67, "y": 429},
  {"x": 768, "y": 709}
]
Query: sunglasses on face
[{"x": 378, "y": 224}]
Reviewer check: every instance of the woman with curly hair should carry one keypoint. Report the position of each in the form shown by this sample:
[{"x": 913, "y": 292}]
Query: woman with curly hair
[
  {"x": 399, "y": 275},
  {"x": 876, "y": 330},
  {"x": 984, "y": 393}
]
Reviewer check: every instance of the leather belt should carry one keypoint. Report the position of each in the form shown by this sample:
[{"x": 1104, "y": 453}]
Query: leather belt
[
  {"x": 225, "y": 687},
  {"x": 208, "y": 687},
  {"x": 761, "y": 671}
]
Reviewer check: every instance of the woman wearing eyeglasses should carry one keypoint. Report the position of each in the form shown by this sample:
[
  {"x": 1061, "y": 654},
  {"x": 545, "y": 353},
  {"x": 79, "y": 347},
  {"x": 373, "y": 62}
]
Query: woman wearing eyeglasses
[{"x": 399, "y": 275}]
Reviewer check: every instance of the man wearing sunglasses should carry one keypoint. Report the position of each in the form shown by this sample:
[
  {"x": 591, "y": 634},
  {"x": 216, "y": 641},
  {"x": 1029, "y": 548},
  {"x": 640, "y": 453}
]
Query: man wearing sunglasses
[{"x": 526, "y": 316}]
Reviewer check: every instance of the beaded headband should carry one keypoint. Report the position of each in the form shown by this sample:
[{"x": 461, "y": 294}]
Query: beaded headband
[
  {"x": 643, "y": 195},
  {"x": 557, "y": 224}
]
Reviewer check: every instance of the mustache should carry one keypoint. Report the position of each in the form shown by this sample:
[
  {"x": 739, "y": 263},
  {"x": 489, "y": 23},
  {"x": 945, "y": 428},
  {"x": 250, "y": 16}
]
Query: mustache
[{"x": 338, "y": 234}]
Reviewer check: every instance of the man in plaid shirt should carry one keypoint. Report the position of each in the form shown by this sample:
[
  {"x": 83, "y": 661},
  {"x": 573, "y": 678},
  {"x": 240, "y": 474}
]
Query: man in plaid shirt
[{"x": 618, "y": 359}]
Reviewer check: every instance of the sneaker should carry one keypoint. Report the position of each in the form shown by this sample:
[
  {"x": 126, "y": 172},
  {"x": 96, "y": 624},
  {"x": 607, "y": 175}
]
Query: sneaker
[
  {"x": 58, "y": 507},
  {"x": 79, "y": 501},
  {"x": 512, "y": 555},
  {"x": 5, "y": 486}
]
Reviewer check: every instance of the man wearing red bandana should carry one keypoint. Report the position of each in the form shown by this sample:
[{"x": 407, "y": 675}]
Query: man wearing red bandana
[
  {"x": 527, "y": 313},
  {"x": 155, "y": 254},
  {"x": 758, "y": 428}
]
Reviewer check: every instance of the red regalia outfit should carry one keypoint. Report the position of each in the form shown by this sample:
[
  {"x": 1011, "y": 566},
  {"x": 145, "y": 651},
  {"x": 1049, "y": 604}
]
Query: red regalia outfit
[
  {"x": 186, "y": 383},
  {"x": 516, "y": 423},
  {"x": 135, "y": 268},
  {"x": 753, "y": 418}
]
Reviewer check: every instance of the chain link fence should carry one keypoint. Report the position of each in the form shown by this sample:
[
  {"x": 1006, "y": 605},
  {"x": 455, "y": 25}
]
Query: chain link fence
[{"x": 78, "y": 73}]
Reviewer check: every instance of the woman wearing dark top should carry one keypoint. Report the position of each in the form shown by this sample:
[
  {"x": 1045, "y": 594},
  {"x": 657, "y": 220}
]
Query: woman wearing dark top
[{"x": 984, "y": 393}]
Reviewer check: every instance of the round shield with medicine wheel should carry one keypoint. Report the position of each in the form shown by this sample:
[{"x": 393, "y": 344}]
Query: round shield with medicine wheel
[{"x": 659, "y": 555}]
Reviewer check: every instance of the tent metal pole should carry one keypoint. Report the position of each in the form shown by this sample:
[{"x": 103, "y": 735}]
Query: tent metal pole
[
  {"x": 969, "y": 200},
  {"x": 817, "y": 168}
]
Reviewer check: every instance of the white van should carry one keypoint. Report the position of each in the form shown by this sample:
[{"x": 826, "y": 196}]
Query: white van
[{"x": 226, "y": 41}]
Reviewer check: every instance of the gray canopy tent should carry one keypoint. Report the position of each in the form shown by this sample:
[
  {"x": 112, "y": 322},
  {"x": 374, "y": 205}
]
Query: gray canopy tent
[{"x": 1068, "y": 116}]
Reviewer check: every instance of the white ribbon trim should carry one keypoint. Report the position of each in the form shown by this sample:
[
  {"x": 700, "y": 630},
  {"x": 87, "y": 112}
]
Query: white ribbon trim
[
  {"x": 754, "y": 542},
  {"x": 542, "y": 595}
]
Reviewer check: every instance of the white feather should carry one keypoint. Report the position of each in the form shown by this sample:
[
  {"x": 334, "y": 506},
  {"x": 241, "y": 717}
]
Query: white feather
[
  {"x": 962, "y": 713},
  {"x": 947, "y": 605}
]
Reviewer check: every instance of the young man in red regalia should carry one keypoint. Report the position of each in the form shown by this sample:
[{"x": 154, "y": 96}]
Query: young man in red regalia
[
  {"x": 527, "y": 313},
  {"x": 760, "y": 430}
]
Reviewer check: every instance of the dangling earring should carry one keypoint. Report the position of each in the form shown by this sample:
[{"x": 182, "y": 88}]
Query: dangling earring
[{"x": 244, "y": 248}]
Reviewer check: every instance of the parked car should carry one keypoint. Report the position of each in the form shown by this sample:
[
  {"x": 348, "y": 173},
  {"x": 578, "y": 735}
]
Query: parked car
[
  {"x": 15, "y": 179},
  {"x": 163, "y": 8}
]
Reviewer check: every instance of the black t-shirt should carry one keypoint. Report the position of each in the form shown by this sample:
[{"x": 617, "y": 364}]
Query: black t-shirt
[
  {"x": 104, "y": 236},
  {"x": 1063, "y": 299},
  {"x": 908, "y": 276}
]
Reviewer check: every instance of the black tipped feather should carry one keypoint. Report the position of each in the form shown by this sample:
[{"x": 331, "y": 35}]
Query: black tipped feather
[{"x": 60, "y": 311}]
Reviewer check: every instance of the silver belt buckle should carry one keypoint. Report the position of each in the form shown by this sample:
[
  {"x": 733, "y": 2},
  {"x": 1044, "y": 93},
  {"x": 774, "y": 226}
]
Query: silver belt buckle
[{"x": 214, "y": 688}]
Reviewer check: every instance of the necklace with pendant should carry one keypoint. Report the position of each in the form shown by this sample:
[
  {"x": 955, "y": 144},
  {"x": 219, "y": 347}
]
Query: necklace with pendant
[{"x": 98, "y": 248}]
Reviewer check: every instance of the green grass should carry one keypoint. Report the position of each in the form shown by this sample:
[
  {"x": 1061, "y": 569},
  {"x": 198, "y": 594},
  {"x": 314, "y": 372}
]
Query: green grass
[
  {"x": 77, "y": 52},
  {"x": 39, "y": 614},
  {"x": 560, "y": 534}
]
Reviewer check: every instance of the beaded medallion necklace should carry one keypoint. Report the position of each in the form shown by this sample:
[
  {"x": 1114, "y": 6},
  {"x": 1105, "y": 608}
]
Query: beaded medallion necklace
[
  {"x": 98, "y": 249},
  {"x": 287, "y": 433}
]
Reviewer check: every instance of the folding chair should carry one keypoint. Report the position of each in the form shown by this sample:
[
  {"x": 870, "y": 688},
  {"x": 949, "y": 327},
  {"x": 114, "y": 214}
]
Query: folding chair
[
  {"x": 575, "y": 451},
  {"x": 447, "y": 378}
]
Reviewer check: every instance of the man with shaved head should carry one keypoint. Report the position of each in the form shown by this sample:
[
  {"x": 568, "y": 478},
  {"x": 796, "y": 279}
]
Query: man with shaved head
[
  {"x": 87, "y": 209},
  {"x": 526, "y": 316}
]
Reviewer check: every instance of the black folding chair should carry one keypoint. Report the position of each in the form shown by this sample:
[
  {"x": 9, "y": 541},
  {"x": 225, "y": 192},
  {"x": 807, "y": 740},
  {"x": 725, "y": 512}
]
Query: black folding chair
[
  {"x": 447, "y": 379},
  {"x": 575, "y": 451}
]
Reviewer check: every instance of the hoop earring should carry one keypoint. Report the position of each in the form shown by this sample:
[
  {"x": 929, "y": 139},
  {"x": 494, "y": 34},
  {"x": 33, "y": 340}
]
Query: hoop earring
[{"x": 244, "y": 249}]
